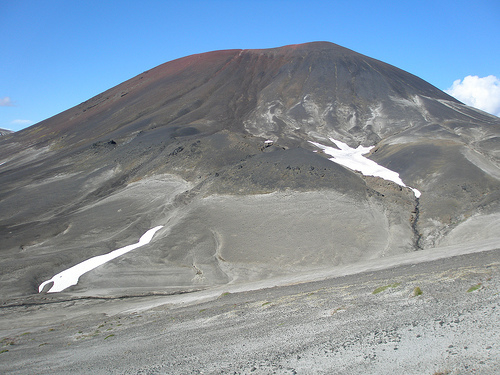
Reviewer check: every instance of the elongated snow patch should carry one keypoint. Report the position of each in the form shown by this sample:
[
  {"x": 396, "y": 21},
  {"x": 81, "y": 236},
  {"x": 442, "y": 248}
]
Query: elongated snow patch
[
  {"x": 353, "y": 158},
  {"x": 70, "y": 277}
]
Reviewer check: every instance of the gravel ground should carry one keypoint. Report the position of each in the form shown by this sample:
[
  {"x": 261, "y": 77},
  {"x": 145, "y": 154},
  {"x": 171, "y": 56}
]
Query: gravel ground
[{"x": 370, "y": 322}]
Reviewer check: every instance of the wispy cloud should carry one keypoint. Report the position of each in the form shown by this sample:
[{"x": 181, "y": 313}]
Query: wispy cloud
[
  {"x": 6, "y": 102},
  {"x": 21, "y": 122},
  {"x": 482, "y": 93}
]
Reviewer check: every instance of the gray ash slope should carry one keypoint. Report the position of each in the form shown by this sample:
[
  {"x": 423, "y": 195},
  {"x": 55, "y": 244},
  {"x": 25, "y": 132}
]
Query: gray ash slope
[{"x": 184, "y": 146}]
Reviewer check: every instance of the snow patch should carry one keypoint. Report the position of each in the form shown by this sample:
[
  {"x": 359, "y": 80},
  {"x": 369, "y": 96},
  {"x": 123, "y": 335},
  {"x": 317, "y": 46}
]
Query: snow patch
[
  {"x": 353, "y": 158},
  {"x": 70, "y": 277}
]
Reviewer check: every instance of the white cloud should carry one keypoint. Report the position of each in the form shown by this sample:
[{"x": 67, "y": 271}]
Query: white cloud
[
  {"x": 21, "y": 122},
  {"x": 482, "y": 93},
  {"x": 6, "y": 102}
]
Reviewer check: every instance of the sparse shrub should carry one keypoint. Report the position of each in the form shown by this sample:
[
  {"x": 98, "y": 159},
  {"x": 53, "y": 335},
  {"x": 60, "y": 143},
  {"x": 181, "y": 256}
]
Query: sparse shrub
[
  {"x": 474, "y": 287},
  {"x": 417, "y": 291},
  {"x": 337, "y": 310},
  {"x": 382, "y": 288},
  {"x": 7, "y": 341}
]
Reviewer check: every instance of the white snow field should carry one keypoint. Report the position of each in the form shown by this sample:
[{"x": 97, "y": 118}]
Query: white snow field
[
  {"x": 70, "y": 277},
  {"x": 353, "y": 158}
]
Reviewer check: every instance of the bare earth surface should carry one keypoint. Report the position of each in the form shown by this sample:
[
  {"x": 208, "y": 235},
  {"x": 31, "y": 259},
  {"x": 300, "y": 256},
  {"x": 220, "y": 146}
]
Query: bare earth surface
[{"x": 365, "y": 318}]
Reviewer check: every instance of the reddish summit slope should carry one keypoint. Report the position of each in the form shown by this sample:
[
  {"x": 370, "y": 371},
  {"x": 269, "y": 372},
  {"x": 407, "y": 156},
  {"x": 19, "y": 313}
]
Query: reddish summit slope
[{"x": 226, "y": 86}]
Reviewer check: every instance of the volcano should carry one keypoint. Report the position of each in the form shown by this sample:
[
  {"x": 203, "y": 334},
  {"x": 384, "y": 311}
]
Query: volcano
[{"x": 249, "y": 165}]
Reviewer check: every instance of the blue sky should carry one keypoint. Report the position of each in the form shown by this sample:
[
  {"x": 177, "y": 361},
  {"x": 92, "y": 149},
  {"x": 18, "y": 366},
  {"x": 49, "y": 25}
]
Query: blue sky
[{"x": 57, "y": 54}]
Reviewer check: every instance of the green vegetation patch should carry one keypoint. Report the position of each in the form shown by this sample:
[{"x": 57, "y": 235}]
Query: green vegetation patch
[
  {"x": 417, "y": 292},
  {"x": 474, "y": 287},
  {"x": 7, "y": 341},
  {"x": 337, "y": 310},
  {"x": 382, "y": 288}
]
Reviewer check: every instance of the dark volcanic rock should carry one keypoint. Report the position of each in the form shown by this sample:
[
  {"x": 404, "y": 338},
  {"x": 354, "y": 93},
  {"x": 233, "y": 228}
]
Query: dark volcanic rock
[{"x": 216, "y": 148}]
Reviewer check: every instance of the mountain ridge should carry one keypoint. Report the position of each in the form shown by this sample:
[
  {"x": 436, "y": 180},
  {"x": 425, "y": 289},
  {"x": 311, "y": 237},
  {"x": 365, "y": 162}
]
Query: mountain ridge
[{"x": 5, "y": 131}]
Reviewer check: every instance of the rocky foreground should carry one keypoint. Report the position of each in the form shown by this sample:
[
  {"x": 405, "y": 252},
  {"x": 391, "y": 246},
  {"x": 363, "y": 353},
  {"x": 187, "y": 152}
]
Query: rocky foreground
[{"x": 437, "y": 316}]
